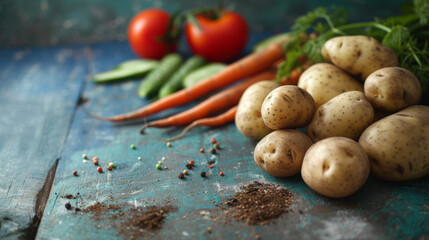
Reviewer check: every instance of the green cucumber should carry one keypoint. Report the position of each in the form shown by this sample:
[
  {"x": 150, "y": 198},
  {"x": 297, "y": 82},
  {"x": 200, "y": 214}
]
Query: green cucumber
[
  {"x": 176, "y": 81},
  {"x": 125, "y": 70},
  {"x": 202, "y": 73},
  {"x": 151, "y": 84},
  {"x": 268, "y": 41}
]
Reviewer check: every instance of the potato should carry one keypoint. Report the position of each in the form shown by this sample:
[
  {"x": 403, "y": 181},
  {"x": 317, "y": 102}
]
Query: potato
[
  {"x": 359, "y": 55},
  {"x": 248, "y": 118},
  {"x": 280, "y": 153},
  {"x": 398, "y": 145},
  {"x": 287, "y": 107},
  {"x": 392, "y": 89},
  {"x": 346, "y": 115},
  {"x": 324, "y": 81},
  {"x": 335, "y": 167}
]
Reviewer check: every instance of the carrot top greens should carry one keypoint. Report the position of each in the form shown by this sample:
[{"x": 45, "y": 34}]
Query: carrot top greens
[{"x": 407, "y": 35}]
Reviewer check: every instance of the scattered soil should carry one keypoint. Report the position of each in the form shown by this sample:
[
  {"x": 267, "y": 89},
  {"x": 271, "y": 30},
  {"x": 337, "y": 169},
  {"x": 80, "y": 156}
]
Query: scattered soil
[
  {"x": 69, "y": 196},
  {"x": 258, "y": 203}
]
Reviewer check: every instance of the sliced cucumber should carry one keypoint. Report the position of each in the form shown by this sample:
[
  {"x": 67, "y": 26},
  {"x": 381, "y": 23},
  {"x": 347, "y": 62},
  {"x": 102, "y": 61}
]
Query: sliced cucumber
[
  {"x": 202, "y": 73},
  {"x": 125, "y": 70}
]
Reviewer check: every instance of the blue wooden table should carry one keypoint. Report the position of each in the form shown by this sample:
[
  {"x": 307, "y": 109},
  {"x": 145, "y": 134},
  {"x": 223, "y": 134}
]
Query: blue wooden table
[{"x": 43, "y": 135}]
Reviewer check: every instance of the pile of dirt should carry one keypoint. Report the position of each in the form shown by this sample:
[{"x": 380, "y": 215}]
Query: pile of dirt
[
  {"x": 100, "y": 208},
  {"x": 258, "y": 203}
]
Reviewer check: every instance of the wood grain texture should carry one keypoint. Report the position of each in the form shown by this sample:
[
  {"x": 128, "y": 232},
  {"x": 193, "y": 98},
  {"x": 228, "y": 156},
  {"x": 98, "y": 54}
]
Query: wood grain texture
[
  {"x": 380, "y": 210},
  {"x": 38, "y": 91}
]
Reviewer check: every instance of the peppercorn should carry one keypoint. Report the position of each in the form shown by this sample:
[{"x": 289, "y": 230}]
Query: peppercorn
[
  {"x": 95, "y": 161},
  {"x": 109, "y": 168},
  {"x": 213, "y": 140},
  {"x": 217, "y": 145},
  {"x": 191, "y": 162},
  {"x": 133, "y": 146},
  {"x": 158, "y": 166},
  {"x": 201, "y": 150},
  {"x": 95, "y": 158},
  {"x": 221, "y": 174},
  {"x": 99, "y": 169},
  {"x": 203, "y": 174},
  {"x": 139, "y": 158},
  {"x": 212, "y": 151},
  {"x": 112, "y": 165},
  {"x": 75, "y": 173},
  {"x": 189, "y": 166},
  {"x": 84, "y": 156},
  {"x": 181, "y": 175},
  {"x": 68, "y": 206},
  {"x": 168, "y": 144}
]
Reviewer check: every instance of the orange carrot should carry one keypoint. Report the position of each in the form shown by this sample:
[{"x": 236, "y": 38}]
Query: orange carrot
[
  {"x": 245, "y": 67},
  {"x": 216, "y": 121},
  {"x": 218, "y": 102}
]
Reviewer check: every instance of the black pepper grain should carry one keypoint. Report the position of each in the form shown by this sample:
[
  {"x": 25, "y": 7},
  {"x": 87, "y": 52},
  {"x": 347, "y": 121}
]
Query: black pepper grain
[
  {"x": 189, "y": 166},
  {"x": 68, "y": 206},
  {"x": 212, "y": 151},
  {"x": 203, "y": 174},
  {"x": 181, "y": 175}
]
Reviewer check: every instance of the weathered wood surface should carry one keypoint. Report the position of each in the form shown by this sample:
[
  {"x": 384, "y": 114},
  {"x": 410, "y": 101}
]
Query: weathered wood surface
[
  {"x": 38, "y": 90},
  {"x": 380, "y": 210}
]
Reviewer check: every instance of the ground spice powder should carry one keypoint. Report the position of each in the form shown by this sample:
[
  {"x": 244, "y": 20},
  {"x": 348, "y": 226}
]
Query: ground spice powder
[{"x": 258, "y": 203}]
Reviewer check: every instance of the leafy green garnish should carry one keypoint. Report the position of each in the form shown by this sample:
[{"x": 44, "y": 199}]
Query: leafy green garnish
[{"x": 407, "y": 35}]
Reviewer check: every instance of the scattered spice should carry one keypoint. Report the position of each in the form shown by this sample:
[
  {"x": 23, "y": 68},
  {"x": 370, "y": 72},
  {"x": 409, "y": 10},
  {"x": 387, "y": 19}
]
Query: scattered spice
[
  {"x": 181, "y": 175},
  {"x": 95, "y": 158},
  {"x": 68, "y": 206},
  {"x": 112, "y": 165},
  {"x": 75, "y": 173},
  {"x": 191, "y": 162},
  {"x": 151, "y": 218},
  {"x": 217, "y": 145},
  {"x": 100, "y": 208},
  {"x": 109, "y": 168},
  {"x": 212, "y": 151},
  {"x": 201, "y": 150},
  {"x": 84, "y": 156},
  {"x": 133, "y": 146},
  {"x": 168, "y": 144},
  {"x": 203, "y": 174},
  {"x": 221, "y": 174},
  {"x": 69, "y": 196},
  {"x": 158, "y": 166},
  {"x": 258, "y": 203},
  {"x": 139, "y": 158},
  {"x": 95, "y": 161},
  {"x": 185, "y": 172},
  {"x": 213, "y": 140},
  {"x": 211, "y": 166},
  {"x": 99, "y": 169},
  {"x": 189, "y": 166}
]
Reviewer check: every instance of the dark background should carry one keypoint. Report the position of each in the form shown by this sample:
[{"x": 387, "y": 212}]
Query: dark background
[{"x": 58, "y": 22}]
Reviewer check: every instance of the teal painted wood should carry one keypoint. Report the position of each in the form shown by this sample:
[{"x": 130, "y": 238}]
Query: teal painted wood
[
  {"x": 380, "y": 210},
  {"x": 38, "y": 90}
]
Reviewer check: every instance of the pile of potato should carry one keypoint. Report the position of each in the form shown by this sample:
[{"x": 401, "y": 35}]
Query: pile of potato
[{"x": 359, "y": 113}]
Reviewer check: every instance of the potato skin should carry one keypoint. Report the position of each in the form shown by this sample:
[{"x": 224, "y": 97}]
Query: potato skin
[
  {"x": 287, "y": 107},
  {"x": 248, "y": 118},
  {"x": 281, "y": 152},
  {"x": 324, "y": 81},
  {"x": 393, "y": 88},
  {"x": 359, "y": 55},
  {"x": 398, "y": 145},
  {"x": 335, "y": 167},
  {"x": 346, "y": 115}
]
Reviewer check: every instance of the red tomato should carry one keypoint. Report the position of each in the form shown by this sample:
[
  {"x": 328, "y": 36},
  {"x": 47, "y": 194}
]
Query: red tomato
[
  {"x": 145, "y": 32},
  {"x": 221, "y": 39}
]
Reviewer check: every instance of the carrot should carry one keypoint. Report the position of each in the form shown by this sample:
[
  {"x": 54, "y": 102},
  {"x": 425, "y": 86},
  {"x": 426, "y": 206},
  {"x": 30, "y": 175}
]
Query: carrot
[
  {"x": 247, "y": 66},
  {"x": 218, "y": 102},
  {"x": 216, "y": 121}
]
